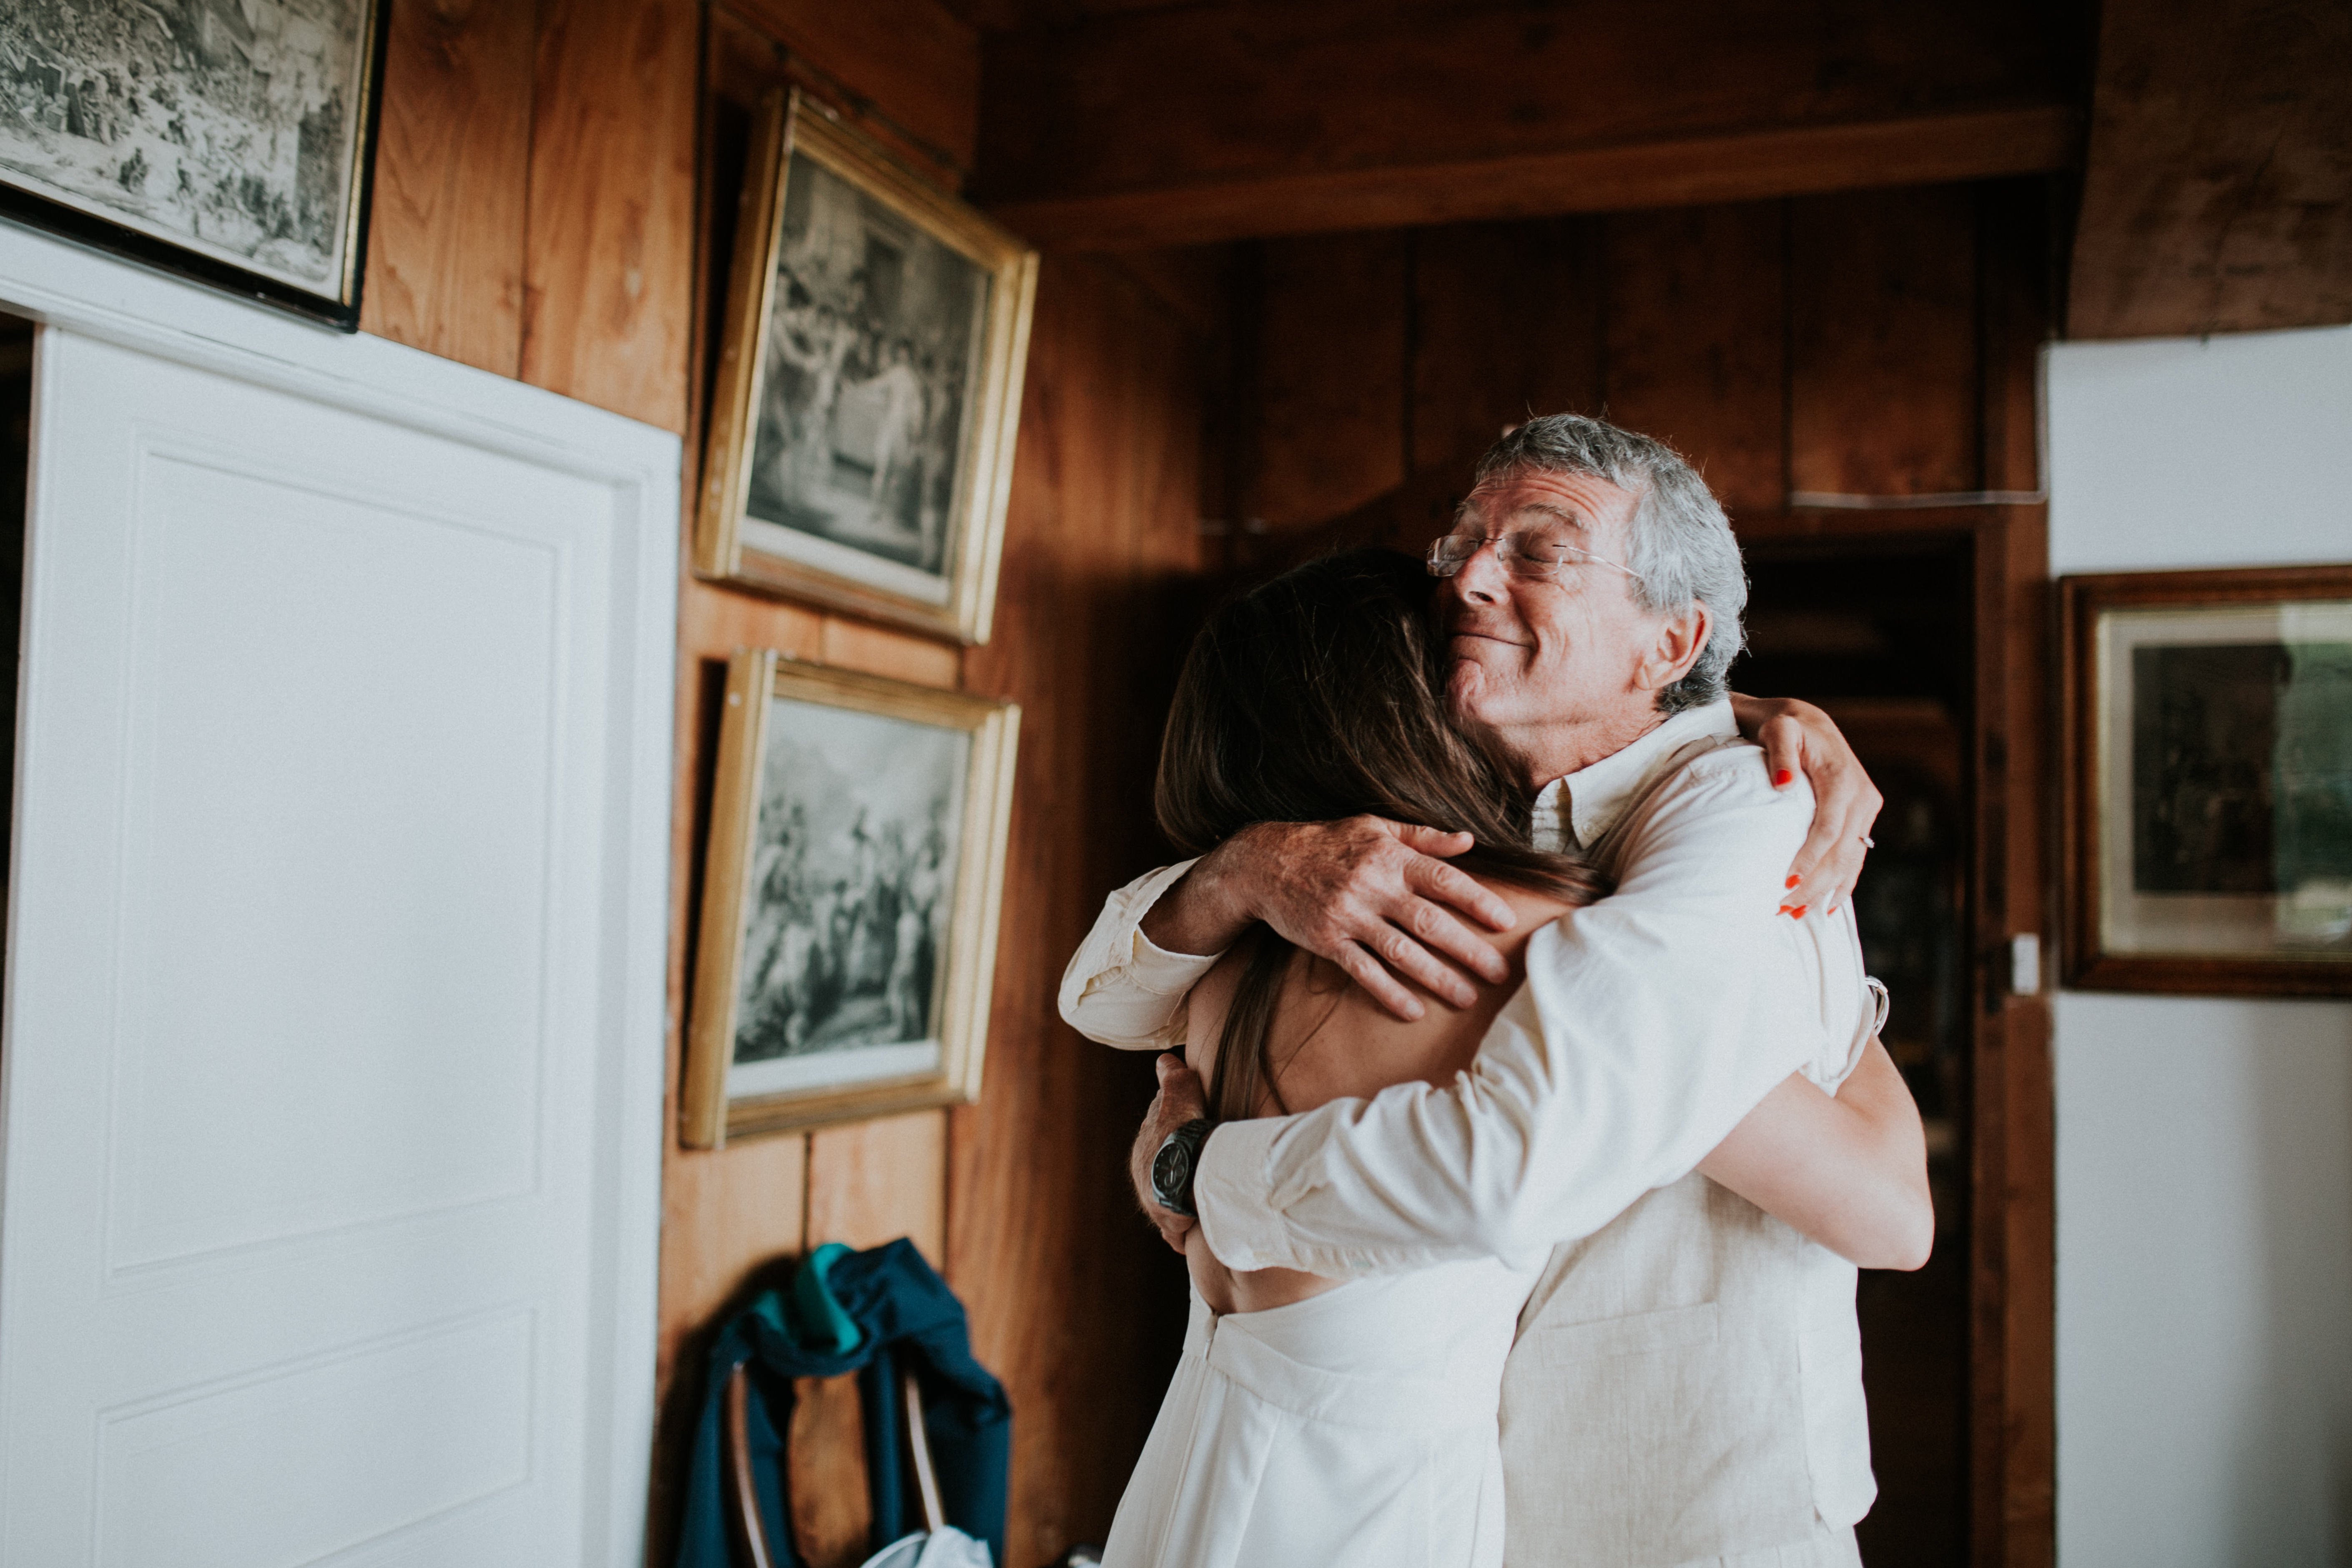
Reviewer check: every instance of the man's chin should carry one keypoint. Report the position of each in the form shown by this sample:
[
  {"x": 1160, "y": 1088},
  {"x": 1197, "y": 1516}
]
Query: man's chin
[{"x": 1469, "y": 692}]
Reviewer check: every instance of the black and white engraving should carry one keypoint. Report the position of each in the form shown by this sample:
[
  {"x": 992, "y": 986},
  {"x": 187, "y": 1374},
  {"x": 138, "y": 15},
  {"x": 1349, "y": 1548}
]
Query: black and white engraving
[
  {"x": 2242, "y": 777},
  {"x": 229, "y": 127},
  {"x": 869, "y": 369},
  {"x": 851, "y": 884}
]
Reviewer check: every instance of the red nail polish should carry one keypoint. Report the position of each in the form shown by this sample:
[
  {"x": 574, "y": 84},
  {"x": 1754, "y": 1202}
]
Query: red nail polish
[
  {"x": 1798, "y": 913},
  {"x": 1783, "y": 777},
  {"x": 1791, "y": 881},
  {"x": 1781, "y": 910}
]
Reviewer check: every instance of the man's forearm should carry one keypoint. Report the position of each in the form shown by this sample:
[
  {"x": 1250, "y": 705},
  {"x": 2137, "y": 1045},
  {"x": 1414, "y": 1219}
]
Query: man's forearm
[
  {"x": 1121, "y": 989},
  {"x": 1200, "y": 914}
]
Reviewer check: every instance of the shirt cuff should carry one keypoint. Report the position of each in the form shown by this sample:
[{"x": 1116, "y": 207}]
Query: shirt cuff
[
  {"x": 1151, "y": 967},
  {"x": 1100, "y": 994},
  {"x": 1232, "y": 1184}
]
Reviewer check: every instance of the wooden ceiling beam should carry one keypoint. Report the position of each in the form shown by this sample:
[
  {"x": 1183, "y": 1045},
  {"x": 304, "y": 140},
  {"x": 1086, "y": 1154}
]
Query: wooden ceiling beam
[
  {"x": 1233, "y": 120},
  {"x": 2217, "y": 192},
  {"x": 1750, "y": 167}
]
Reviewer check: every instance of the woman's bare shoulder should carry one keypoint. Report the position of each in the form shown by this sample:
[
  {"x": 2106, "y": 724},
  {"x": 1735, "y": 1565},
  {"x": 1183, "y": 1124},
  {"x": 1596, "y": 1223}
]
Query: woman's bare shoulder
[
  {"x": 1204, "y": 1009},
  {"x": 1535, "y": 911}
]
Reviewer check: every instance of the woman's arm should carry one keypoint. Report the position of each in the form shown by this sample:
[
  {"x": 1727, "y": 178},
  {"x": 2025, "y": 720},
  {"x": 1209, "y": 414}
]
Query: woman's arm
[{"x": 1849, "y": 1171}]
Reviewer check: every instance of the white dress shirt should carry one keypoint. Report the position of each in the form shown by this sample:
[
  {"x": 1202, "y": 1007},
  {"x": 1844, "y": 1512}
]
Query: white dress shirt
[{"x": 1649, "y": 1024}]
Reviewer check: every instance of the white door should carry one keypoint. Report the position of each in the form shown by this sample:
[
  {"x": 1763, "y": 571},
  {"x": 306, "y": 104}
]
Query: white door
[{"x": 333, "y": 1034}]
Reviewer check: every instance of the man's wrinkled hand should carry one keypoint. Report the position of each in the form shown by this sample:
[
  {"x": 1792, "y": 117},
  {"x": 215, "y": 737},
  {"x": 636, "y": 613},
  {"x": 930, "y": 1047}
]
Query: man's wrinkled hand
[
  {"x": 1375, "y": 897},
  {"x": 1799, "y": 738},
  {"x": 1181, "y": 1098}
]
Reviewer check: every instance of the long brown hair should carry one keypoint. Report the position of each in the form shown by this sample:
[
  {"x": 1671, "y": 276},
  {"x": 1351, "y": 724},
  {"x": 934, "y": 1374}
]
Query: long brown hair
[{"x": 1315, "y": 696}]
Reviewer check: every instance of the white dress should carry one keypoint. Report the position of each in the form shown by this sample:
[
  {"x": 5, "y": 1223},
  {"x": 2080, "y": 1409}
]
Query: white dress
[{"x": 1354, "y": 1428}]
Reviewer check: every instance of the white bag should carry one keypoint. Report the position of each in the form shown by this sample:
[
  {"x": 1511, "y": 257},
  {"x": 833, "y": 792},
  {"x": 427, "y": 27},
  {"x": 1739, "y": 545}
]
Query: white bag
[{"x": 946, "y": 1547}]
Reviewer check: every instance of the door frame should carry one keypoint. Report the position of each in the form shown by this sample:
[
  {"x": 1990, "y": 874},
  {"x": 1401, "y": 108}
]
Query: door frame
[
  {"x": 57, "y": 284},
  {"x": 2013, "y": 1304}
]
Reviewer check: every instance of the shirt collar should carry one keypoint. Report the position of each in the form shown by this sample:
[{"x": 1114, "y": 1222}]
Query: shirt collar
[{"x": 1570, "y": 813}]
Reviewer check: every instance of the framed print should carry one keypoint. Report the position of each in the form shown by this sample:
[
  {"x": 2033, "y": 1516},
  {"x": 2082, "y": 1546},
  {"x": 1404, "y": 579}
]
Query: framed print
[
  {"x": 848, "y": 941},
  {"x": 2208, "y": 780},
  {"x": 869, "y": 386},
  {"x": 230, "y": 141}
]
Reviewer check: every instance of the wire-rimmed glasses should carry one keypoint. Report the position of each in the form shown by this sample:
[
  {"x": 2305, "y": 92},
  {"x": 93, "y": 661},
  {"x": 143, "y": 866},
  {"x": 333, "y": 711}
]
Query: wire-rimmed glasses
[{"x": 1530, "y": 555}]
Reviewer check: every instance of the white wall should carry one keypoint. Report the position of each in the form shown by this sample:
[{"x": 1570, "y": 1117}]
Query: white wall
[{"x": 2204, "y": 1145}]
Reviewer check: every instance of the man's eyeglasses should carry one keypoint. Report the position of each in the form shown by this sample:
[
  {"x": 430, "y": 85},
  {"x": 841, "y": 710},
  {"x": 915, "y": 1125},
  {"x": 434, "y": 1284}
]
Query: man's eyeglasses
[{"x": 1531, "y": 555}]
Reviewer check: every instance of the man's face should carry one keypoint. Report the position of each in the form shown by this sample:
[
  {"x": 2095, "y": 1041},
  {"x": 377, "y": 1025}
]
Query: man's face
[{"x": 1527, "y": 655}]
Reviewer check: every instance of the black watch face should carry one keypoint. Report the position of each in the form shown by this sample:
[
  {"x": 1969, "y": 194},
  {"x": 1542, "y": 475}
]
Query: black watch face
[{"x": 1172, "y": 1172}]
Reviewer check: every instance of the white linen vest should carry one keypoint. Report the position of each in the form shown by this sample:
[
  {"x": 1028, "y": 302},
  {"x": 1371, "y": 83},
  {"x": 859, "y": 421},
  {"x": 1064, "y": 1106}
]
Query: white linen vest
[{"x": 1687, "y": 1380}]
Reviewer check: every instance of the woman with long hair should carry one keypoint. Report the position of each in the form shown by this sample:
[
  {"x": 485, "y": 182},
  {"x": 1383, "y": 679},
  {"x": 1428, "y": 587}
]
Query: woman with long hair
[{"x": 1312, "y": 1420}]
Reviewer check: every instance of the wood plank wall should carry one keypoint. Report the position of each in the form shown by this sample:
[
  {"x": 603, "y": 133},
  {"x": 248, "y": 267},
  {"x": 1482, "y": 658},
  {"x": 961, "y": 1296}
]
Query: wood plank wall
[
  {"x": 553, "y": 186},
  {"x": 1824, "y": 343}
]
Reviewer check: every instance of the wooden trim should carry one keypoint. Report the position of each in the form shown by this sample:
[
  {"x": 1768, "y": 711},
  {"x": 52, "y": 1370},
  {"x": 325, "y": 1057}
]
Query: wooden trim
[
  {"x": 1748, "y": 166},
  {"x": 2087, "y": 964}
]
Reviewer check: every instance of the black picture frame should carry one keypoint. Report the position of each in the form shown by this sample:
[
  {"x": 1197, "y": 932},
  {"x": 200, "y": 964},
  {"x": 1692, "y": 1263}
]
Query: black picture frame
[{"x": 23, "y": 199}]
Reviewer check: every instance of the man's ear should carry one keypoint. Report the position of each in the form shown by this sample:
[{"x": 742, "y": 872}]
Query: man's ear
[{"x": 1681, "y": 639}]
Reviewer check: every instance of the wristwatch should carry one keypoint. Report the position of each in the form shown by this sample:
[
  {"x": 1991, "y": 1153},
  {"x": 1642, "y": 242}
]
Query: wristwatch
[{"x": 1171, "y": 1168}]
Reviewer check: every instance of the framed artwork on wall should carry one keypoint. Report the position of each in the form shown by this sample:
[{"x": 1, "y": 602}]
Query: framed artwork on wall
[
  {"x": 2208, "y": 780},
  {"x": 868, "y": 384},
  {"x": 229, "y": 140},
  {"x": 847, "y": 941}
]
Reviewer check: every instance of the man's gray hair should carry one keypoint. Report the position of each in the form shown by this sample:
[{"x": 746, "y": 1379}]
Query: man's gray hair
[{"x": 1679, "y": 541}]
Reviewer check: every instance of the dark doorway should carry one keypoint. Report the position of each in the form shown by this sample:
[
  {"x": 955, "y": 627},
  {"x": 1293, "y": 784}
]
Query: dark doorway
[{"x": 1879, "y": 632}]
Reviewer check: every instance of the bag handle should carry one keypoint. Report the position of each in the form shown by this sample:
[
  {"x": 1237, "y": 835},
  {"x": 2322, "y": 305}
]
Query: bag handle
[
  {"x": 927, "y": 1481},
  {"x": 744, "y": 1496}
]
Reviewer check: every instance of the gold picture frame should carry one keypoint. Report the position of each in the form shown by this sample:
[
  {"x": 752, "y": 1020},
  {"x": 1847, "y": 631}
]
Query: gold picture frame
[
  {"x": 868, "y": 389},
  {"x": 852, "y": 880}
]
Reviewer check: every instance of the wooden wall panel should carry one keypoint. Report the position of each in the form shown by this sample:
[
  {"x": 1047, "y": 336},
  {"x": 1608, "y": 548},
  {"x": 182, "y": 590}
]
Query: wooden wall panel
[
  {"x": 1883, "y": 390},
  {"x": 1505, "y": 321},
  {"x": 1829, "y": 344},
  {"x": 609, "y": 284},
  {"x": 2015, "y": 285},
  {"x": 446, "y": 230},
  {"x": 911, "y": 63},
  {"x": 1330, "y": 398},
  {"x": 722, "y": 1219},
  {"x": 873, "y": 1181},
  {"x": 1697, "y": 333},
  {"x": 1075, "y": 1305}
]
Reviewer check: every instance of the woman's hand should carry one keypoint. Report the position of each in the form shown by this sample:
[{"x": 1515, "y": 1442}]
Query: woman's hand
[{"x": 1799, "y": 738}]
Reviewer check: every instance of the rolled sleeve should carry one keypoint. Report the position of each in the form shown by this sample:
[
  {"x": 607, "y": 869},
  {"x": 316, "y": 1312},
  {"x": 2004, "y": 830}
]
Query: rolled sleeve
[
  {"x": 1230, "y": 1183},
  {"x": 1123, "y": 989}
]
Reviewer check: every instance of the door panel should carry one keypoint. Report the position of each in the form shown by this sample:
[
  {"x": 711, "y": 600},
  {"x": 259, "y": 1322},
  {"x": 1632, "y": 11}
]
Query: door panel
[{"x": 311, "y": 1020}]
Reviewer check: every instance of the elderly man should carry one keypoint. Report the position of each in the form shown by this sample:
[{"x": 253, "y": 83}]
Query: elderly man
[{"x": 1665, "y": 1404}]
